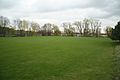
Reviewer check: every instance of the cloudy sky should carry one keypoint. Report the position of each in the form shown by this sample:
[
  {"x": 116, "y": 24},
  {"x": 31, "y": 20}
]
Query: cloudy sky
[{"x": 58, "y": 11}]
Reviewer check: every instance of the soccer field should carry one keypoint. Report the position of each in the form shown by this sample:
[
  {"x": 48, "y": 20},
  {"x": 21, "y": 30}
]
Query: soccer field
[{"x": 55, "y": 58}]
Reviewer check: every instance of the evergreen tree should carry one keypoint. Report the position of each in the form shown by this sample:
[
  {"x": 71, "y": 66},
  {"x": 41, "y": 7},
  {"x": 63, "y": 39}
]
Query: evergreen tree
[{"x": 116, "y": 32}]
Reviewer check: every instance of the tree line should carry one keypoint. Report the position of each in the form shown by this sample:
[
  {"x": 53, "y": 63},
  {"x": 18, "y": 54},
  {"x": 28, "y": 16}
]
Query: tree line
[{"x": 87, "y": 27}]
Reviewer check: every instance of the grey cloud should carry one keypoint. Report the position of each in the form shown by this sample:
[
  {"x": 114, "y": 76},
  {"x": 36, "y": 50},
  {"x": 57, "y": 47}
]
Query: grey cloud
[
  {"x": 110, "y": 6},
  {"x": 115, "y": 8},
  {"x": 105, "y": 8},
  {"x": 6, "y": 4},
  {"x": 71, "y": 4}
]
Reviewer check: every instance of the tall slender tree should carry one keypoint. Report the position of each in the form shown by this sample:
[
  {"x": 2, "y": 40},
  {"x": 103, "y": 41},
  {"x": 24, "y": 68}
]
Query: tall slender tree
[
  {"x": 4, "y": 23},
  {"x": 86, "y": 24}
]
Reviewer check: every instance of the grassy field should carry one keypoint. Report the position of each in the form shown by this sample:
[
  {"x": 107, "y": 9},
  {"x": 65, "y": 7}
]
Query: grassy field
[{"x": 55, "y": 58}]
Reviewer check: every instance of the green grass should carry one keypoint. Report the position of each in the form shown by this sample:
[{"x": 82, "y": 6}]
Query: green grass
[{"x": 55, "y": 58}]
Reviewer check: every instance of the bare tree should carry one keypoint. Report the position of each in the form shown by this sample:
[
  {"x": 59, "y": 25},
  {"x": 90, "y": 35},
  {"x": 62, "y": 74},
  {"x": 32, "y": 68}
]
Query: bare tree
[
  {"x": 66, "y": 26},
  {"x": 19, "y": 26},
  {"x": 47, "y": 29},
  {"x": 108, "y": 31},
  {"x": 68, "y": 29},
  {"x": 4, "y": 23},
  {"x": 25, "y": 25},
  {"x": 35, "y": 26},
  {"x": 56, "y": 30},
  {"x": 92, "y": 27},
  {"x": 97, "y": 25},
  {"x": 86, "y": 24},
  {"x": 71, "y": 31},
  {"x": 79, "y": 26}
]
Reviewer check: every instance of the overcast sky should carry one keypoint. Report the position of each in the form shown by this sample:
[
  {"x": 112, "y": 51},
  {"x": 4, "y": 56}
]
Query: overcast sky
[{"x": 58, "y": 11}]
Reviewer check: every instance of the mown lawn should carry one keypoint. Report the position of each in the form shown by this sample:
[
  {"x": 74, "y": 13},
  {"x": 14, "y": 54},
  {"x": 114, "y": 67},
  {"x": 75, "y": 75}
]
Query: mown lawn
[{"x": 55, "y": 58}]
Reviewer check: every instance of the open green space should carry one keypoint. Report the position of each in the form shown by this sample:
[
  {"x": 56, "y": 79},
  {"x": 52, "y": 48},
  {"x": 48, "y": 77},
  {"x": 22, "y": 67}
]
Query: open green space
[{"x": 55, "y": 58}]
